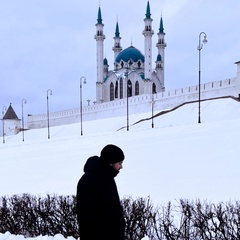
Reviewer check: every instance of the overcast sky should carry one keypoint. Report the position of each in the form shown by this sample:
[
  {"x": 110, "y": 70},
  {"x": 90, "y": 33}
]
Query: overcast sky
[{"x": 49, "y": 44}]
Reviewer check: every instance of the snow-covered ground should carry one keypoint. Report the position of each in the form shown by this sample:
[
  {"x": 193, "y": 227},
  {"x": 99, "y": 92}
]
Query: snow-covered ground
[{"x": 178, "y": 158}]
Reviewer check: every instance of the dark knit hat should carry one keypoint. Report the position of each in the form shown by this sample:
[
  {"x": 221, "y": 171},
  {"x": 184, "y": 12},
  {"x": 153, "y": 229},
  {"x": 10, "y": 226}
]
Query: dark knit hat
[{"x": 112, "y": 154}]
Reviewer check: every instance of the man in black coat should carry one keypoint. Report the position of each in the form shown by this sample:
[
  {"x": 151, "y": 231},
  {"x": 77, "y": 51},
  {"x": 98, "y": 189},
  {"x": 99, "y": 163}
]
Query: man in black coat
[{"x": 99, "y": 211}]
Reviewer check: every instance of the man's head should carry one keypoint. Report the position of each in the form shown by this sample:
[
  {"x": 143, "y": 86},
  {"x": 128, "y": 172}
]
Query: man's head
[{"x": 112, "y": 155}]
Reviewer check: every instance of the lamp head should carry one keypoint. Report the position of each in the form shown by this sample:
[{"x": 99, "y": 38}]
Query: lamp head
[
  {"x": 205, "y": 39},
  {"x": 49, "y": 91},
  {"x": 84, "y": 80}
]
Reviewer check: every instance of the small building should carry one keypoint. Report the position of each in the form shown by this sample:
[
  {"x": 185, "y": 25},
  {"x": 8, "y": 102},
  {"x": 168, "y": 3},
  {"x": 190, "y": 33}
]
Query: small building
[{"x": 11, "y": 122}]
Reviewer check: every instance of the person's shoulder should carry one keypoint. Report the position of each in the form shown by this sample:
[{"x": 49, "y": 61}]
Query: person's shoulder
[{"x": 92, "y": 164}]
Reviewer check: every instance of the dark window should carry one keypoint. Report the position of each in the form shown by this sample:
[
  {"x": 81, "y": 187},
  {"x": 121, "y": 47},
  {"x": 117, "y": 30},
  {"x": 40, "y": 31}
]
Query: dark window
[
  {"x": 137, "y": 88},
  {"x": 154, "y": 88},
  {"x": 139, "y": 64},
  {"x": 116, "y": 90},
  {"x": 129, "y": 88},
  {"x": 111, "y": 92},
  {"x": 121, "y": 88}
]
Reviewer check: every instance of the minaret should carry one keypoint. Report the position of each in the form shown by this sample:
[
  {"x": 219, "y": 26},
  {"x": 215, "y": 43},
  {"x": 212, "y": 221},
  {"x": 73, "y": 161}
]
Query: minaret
[
  {"x": 161, "y": 45},
  {"x": 99, "y": 39},
  {"x": 117, "y": 44},
  {"x": 148, "y": 32}
]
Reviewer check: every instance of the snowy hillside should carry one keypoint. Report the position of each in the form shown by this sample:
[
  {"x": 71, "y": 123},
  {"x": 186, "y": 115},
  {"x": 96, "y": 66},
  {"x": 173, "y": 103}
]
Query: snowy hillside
[{"x": 178, "y": 158}]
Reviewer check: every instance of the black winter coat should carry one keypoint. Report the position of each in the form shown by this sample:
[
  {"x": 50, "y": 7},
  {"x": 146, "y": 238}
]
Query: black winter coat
[{"x": 99, "y": 210}]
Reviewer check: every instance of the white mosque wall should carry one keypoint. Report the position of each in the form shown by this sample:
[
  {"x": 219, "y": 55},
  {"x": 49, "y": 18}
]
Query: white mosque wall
[{"x": 141, "y": 103}]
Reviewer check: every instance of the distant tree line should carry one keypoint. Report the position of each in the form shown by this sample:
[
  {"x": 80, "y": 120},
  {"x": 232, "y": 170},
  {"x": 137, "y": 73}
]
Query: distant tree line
[{"x": 32, "y": 216}]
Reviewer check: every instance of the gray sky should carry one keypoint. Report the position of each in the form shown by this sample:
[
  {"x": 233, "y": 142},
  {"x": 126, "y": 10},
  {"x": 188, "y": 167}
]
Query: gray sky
[{"x": 49, "y": 44}]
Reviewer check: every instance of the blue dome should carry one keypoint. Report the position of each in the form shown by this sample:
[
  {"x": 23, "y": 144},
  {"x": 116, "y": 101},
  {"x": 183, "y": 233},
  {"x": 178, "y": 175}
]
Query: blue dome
[{"x": 130, "y": 53}]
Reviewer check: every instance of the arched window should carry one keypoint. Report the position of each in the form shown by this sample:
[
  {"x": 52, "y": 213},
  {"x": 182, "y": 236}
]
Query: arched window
[
  {"x": 139, "y": 64},
  {"x": 116, "y": 90},
  {"x": 121, "y": 88},
  {"x": 111, "y": 92},
  {"x": 129, "y": 88},
  {"x": 137, "y": 88},
  {"x": 154, "y": 88}
]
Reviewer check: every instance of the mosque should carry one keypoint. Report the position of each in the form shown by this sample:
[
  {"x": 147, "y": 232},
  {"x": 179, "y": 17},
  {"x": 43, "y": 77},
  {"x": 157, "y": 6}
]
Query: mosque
[
  {"x": 133, "y": 84},
  {"x": 132, "y": 73}
]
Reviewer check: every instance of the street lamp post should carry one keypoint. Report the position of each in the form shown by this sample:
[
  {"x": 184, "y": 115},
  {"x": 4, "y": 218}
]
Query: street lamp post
[
  {"x": 3, "y": 133},
  {"x": 24, "y": 101},
  {"x": 128, "y": 95},
  {"x": 84, "y": 81},
  {"x": 49, "y": 91},
  {"x": 152, "y": 110},
  {"x": 199, "y": 48},
  {"x": 127, "y": 111},
  {"x": 127, "y": 99}
]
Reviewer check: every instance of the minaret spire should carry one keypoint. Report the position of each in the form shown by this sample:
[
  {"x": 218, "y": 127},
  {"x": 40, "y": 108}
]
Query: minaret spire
[
  {"x": 161, "y": 29},
  {"x": 99, "y": 19},
  {"x": 148, "y": 13}
]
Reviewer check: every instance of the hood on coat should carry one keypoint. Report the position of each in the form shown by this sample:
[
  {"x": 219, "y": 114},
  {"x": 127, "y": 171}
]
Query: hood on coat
[{"x": 96, "y": 166}]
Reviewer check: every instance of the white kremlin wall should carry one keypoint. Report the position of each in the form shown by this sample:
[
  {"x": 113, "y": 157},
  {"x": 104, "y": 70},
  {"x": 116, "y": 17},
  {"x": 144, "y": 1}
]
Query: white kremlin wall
[{"x": 162, "y": 101}]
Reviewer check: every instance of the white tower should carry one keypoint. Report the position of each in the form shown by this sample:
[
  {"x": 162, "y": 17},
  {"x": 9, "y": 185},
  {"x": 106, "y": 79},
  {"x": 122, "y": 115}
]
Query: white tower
[
  {"x": 161, "y": 45},
  {"x": 117, "y": 44},
  {"x": 148, "y": 32},
  {"x": 99, "y": 39}
]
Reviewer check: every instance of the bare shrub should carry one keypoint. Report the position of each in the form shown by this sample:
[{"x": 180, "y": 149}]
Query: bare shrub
[{"x": 32, "y": 216}]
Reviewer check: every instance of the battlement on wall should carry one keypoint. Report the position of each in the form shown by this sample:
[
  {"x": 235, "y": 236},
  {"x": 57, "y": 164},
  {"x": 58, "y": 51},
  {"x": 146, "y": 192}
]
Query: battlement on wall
[
  {"x": 231, "y": 82},
  {"x": 141, "y": 103}
]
